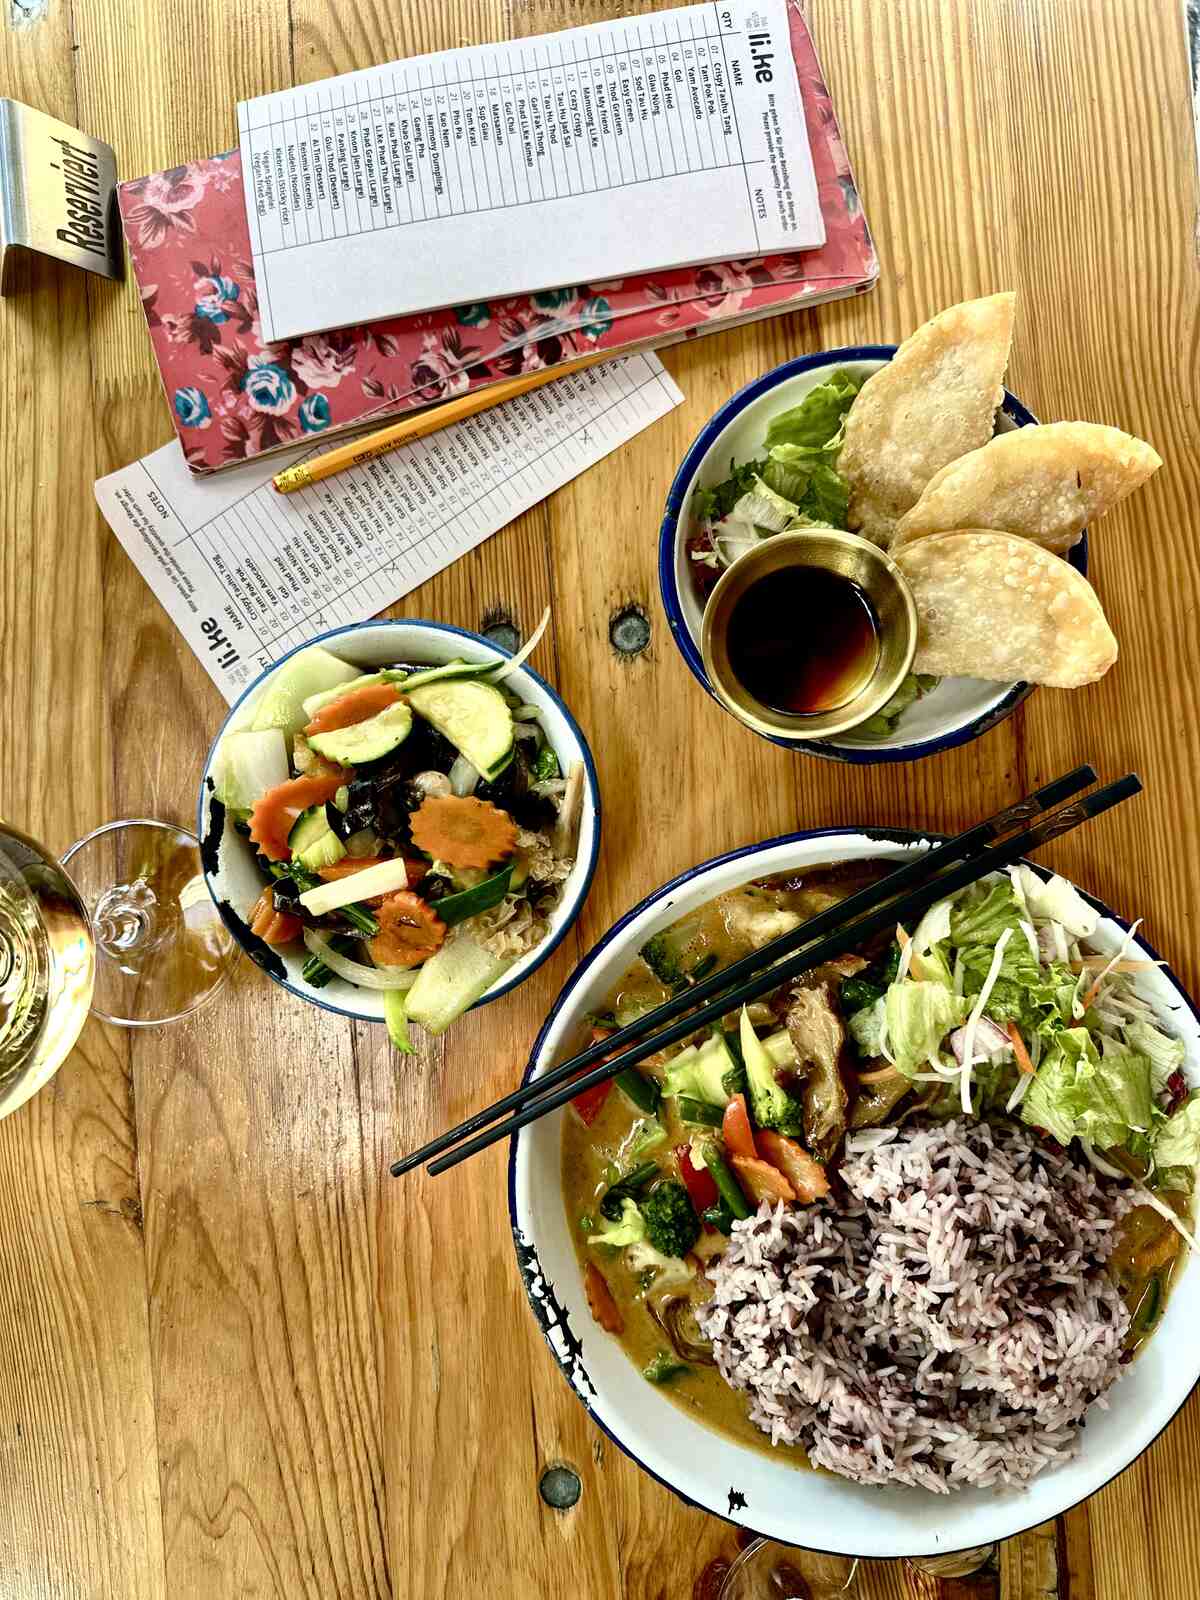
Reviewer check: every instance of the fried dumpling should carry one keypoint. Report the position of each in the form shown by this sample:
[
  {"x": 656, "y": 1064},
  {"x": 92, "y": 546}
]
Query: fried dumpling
[
  {"x": 935, "y": 400},
  {"x": 994, "y": 605},
  {"x": 1045, "y": 483}
]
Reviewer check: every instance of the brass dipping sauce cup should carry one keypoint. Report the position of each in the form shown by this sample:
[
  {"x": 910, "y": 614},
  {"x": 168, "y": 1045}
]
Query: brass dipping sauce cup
[{"x": 849, "y": 556}]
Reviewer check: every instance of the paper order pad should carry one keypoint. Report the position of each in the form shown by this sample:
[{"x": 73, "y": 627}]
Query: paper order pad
[
  {"x": 616, "y": 148},
  {"x": 247, "y": 573}
]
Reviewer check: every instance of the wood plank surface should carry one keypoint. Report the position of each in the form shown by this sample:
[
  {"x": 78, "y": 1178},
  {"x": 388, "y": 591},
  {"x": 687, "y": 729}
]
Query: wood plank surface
[{"x": 239, "y": 1361}]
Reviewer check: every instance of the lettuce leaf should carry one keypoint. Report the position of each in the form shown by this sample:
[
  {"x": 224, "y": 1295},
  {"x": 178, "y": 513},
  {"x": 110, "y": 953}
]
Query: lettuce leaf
[
  {"x": 1165, "y": 1055},
  {"x": 818, "y": 422},
  {"x": 919, "y": 1015},
  {"x": 1178, "y": 1141},
  {"x": 1057, "y": 901},
  {"x": 827, "y": 498},
  {"x": 1077, "y": 1092},
  {"x": 717, "y": 501},
  {"x": 981, "y": 916},
  {"x": 866, "y": 1027}
]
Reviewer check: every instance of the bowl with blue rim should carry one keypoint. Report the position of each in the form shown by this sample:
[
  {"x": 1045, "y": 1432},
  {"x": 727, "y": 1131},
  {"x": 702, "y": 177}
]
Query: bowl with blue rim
[
  {"x": 945, "y": 712},
  {"x": 233, "y": 871}
]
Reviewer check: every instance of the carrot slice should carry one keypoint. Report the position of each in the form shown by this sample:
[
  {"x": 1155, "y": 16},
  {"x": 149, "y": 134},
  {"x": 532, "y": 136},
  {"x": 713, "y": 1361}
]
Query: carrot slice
[
  {"x": 354, "y": 707},
  {"x": 409, "y": 931},
  {"x": 600, "y": 1300},
  {"x": 463, "y": 831},
  {"x": 763, "y": 1181},
  {"x": 806, "y": 1176},
  {"x": 274, "y": 812},
  {"x": 271, "y": 926},
  {"x": 1024, "y": 1059},
  {"x": 736, "y": 1130}
]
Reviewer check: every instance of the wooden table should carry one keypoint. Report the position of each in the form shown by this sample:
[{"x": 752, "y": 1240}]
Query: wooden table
[{"x": 238, "y": 1360}]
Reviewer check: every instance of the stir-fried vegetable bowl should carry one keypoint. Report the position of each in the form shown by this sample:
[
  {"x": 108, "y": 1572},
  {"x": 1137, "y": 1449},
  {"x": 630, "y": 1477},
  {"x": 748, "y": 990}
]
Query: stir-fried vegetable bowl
[{"x": 399, "y": 822}]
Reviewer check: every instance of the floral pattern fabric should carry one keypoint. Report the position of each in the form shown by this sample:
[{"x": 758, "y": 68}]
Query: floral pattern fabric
[{"x": 233, "y": 396}]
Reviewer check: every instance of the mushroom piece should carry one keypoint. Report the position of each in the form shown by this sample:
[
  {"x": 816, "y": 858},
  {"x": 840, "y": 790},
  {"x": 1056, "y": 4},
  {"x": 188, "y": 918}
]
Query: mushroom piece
[{"x": 676, "y": 1316}]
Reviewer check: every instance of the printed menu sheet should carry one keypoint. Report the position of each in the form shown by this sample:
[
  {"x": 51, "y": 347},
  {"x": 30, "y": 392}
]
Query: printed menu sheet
[
  {"x": 247, "y": 573},
  {"x": 617, "y": 148}
]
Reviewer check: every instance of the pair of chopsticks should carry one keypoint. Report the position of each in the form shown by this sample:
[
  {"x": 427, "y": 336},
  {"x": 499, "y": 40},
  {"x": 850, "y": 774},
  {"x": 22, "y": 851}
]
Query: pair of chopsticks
[
  {"x": 306, "y": 473},
  {"x": 900, "y": 897}
]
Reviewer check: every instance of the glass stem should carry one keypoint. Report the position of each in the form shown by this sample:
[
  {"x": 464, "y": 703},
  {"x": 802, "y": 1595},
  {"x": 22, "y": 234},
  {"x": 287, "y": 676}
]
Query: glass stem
[{"x": 123, "y": 917}]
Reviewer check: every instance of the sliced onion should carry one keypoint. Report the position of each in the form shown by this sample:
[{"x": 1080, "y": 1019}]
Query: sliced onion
[
  {"x": 526, "y": 713},
  {"x": 463, "y": 777},
  {"x": 354, "y": 971},
  {"x": 535, "y": 638}
]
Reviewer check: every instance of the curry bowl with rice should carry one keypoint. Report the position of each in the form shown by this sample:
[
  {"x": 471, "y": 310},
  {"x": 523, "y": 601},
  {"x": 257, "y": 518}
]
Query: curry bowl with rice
[{"x": 815, "y": 1239}]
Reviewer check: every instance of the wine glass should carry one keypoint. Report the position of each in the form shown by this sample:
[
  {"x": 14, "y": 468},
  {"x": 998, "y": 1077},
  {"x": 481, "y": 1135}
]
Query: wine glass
[
  {"x": 128, "y": 932},
  {"x": 766, "y": 1570}
]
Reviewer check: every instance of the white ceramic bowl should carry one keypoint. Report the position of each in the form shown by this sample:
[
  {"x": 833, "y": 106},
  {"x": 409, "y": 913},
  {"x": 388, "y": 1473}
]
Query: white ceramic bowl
[
  {"x": 816, "y": 1509},
  {"x": 959, "y": 709},
  {"x": 230, "y": 864}
]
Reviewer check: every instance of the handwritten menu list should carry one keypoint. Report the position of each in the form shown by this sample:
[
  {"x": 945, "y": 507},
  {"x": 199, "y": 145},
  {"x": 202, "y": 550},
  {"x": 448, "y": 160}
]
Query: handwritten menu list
[{"x": 618, "y": 147}]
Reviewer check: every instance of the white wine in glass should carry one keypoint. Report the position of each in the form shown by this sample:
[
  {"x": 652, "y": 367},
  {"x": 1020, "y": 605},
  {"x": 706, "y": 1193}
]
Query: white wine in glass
[{"x": 123, "y": 926}]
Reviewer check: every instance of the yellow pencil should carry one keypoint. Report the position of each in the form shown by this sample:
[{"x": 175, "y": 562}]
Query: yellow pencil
[{"x": 353, "y": 454}]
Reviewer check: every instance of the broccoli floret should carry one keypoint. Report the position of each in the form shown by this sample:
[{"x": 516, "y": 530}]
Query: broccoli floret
[
  {"x": 772, "y": 1105},
  {"x": 630, "y": 1229},
  {"x": 663, "y": 961},
  {"x": 627, "y": 1188},
  {"x": 672, "y": 1225}
]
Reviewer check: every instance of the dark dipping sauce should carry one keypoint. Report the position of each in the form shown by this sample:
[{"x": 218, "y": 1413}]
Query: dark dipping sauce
[{"x": 803, "y": 640}]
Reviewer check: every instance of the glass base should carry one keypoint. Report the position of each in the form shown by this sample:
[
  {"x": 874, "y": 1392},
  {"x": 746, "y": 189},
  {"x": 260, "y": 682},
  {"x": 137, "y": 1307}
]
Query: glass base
[{"x": 161, "y": 949}]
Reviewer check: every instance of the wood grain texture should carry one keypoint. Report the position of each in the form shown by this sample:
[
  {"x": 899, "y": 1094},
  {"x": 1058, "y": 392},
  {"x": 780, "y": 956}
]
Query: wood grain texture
[{"x": 240, "y": 1361}]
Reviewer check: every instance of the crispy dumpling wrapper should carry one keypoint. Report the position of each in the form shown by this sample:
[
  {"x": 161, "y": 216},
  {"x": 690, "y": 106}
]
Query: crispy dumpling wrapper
[
  {"x": 994, "y": 605},
  {"x": 1045, "y": 483},
  {"x": 935, "y": 400}
]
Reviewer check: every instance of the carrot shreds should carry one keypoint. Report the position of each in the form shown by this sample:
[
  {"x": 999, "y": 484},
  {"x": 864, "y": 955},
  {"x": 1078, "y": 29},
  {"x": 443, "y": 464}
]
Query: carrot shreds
[
  {"x": 463, "y": 831},
  {"x": 1024, "y": 1060},
  {"x": 409, "y": 931},
  {"x": 271, "y": 926},
  {"x": 354, "y": 707},
  {"x": 275, "y": 811}
]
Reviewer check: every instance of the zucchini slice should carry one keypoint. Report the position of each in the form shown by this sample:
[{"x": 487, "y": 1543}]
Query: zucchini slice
[
  {"x": 313, "y": 842},
  {"x": 449, "y": 671},
  {"x": 365, "y": 741},
  {"x": 475, "y": 717}
]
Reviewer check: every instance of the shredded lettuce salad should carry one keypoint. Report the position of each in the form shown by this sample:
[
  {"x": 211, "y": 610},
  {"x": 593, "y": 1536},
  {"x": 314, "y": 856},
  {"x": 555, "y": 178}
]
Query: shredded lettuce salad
[
  {"x": 793, "y": 484},
  {"x": 996, "y": 1005}
]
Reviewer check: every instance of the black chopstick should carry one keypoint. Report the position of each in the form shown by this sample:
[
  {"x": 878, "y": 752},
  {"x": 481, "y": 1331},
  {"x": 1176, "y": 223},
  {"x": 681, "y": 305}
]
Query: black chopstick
[
  {"x": 905, "y": 876},
  {"x": 845, "y": 938}
]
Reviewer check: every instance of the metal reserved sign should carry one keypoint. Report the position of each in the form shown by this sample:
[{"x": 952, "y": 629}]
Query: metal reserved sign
[{"x": 57, "y": 194}]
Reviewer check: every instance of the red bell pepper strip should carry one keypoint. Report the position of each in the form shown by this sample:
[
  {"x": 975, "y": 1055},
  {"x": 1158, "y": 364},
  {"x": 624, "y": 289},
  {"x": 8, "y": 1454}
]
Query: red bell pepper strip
[{"x": 697, "y": 1180}]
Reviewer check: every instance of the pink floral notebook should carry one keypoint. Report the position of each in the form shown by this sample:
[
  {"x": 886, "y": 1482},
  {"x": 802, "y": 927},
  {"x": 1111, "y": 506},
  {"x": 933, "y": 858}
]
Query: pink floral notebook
[{"x": 234, "y": 397}]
